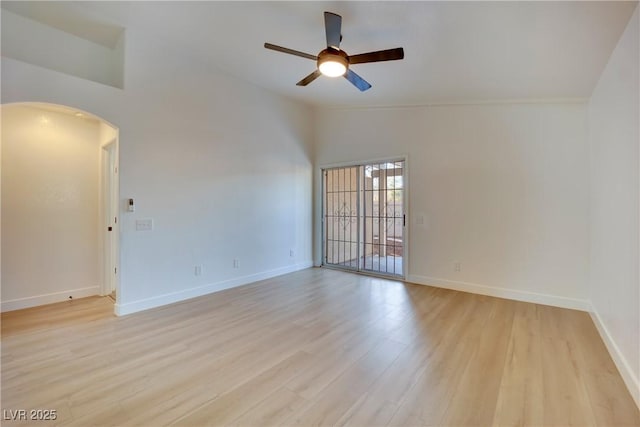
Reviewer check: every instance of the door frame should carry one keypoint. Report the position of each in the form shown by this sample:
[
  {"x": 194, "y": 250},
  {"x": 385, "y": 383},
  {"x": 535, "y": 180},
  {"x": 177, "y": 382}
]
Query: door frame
[
  {"x": 405, "y": 206},
  {"x": 110, "y": 256}
]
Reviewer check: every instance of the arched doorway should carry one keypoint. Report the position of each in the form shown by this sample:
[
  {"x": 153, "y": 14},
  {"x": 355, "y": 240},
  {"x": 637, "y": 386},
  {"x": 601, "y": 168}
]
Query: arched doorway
[{"x": 59, "y": 206}]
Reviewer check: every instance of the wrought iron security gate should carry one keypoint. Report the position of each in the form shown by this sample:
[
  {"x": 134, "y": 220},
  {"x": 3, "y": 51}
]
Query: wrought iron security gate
[{"x": 363, "y": 217}]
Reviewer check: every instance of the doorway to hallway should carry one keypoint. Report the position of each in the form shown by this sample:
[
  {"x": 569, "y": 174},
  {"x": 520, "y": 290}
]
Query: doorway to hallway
[{"x": 59, "y": 205}]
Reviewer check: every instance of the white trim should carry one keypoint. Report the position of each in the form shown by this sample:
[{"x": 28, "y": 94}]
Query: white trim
[
  {"x": 406, "y": 232},
  {"x": 109, "y": 196},
  {"x": 160, "y": 300},
  {"x": 526, "y": 296},
  {"x": 20, "y": 303},
  {"x": 630, "y": 380}
]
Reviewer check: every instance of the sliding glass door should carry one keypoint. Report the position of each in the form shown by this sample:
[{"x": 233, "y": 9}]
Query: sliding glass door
[{"x": 364, "y": 217}]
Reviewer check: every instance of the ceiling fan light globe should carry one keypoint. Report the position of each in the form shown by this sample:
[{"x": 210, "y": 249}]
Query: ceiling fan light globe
[{"x": 332, "y": 68}]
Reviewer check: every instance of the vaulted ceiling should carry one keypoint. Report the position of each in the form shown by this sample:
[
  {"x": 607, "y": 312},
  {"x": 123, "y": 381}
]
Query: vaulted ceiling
[{"x": 454, "y": 51}]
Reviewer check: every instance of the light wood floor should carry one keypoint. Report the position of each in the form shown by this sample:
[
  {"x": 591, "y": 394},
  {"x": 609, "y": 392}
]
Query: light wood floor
[{"x": 316, "y": 347}]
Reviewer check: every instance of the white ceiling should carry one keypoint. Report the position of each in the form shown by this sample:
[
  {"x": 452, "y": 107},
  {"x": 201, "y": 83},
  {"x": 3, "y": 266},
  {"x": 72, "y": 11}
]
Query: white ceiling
[{"x": 454, "y": 51}]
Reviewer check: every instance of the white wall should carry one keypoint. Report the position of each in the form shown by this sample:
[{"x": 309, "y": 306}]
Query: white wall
[
  {"x": 50, "y": 175},
  {"x": 223, "y": 168},
  {"x": 39, "y": 44},
  {"x": 615, "y": 214},
  {"x": 502, "y": 188}
]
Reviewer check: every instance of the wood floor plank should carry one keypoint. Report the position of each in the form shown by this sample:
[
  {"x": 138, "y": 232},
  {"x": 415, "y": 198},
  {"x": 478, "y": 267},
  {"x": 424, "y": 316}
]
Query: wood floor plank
[
  {"x": 278, "y": 407},
  {"x": 479, "y": 386},
  {"x": 599, "y": 374},
  {"x": 379, "y": 404},
  {"x": 565, "y": 397},
  {"x": 341, "y": 394},
  {"x": 427, "y": 401},
  {"x": 330, "y": 365},
  {"x": 520, "y": 397},
  {"x": 231, "y": 405},
  {"x": 315, "y": 347}
]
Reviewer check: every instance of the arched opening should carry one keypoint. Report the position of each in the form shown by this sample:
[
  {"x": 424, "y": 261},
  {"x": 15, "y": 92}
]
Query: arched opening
[{"x": 59, "y": 207}]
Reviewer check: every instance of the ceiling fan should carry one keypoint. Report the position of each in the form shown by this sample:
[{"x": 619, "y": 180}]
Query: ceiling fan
[{"x": 334, "y": 62}]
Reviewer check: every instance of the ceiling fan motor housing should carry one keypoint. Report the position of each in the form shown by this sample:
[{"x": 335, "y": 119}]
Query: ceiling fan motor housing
[{"x": 334, "y": 55}]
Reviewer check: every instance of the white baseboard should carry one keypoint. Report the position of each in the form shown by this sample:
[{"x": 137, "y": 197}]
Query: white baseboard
[
  {"x": 160, "y": 300},
  {"x": 526, "y": 296},
  {"x": 20, "y": 303},
  {"x": 630, "y": 380}
]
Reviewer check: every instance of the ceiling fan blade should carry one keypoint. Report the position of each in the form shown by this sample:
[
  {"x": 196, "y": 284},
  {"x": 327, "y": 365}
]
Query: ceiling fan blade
[
  {"x": 290, "y": 51},
  {"x": 311, "y": 77},
  {"x": 333, "y": 28},
  {"x": 357, "y": 81},
  {"x": 378, "y": 56}
]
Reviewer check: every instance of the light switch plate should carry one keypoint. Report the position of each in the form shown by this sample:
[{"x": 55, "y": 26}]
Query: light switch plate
[{"x": 144, "y": 224}]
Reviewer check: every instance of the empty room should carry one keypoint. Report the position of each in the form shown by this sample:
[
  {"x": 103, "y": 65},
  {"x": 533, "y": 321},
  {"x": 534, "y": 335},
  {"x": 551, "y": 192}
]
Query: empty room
[{"x": 359, "y": 213}]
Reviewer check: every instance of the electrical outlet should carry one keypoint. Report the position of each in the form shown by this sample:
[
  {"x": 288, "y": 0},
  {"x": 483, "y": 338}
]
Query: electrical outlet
[
  {"x": 236, "y": 263},
  {"x": 456, "y": 266},
  {"x": 197, "y": 270}
]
